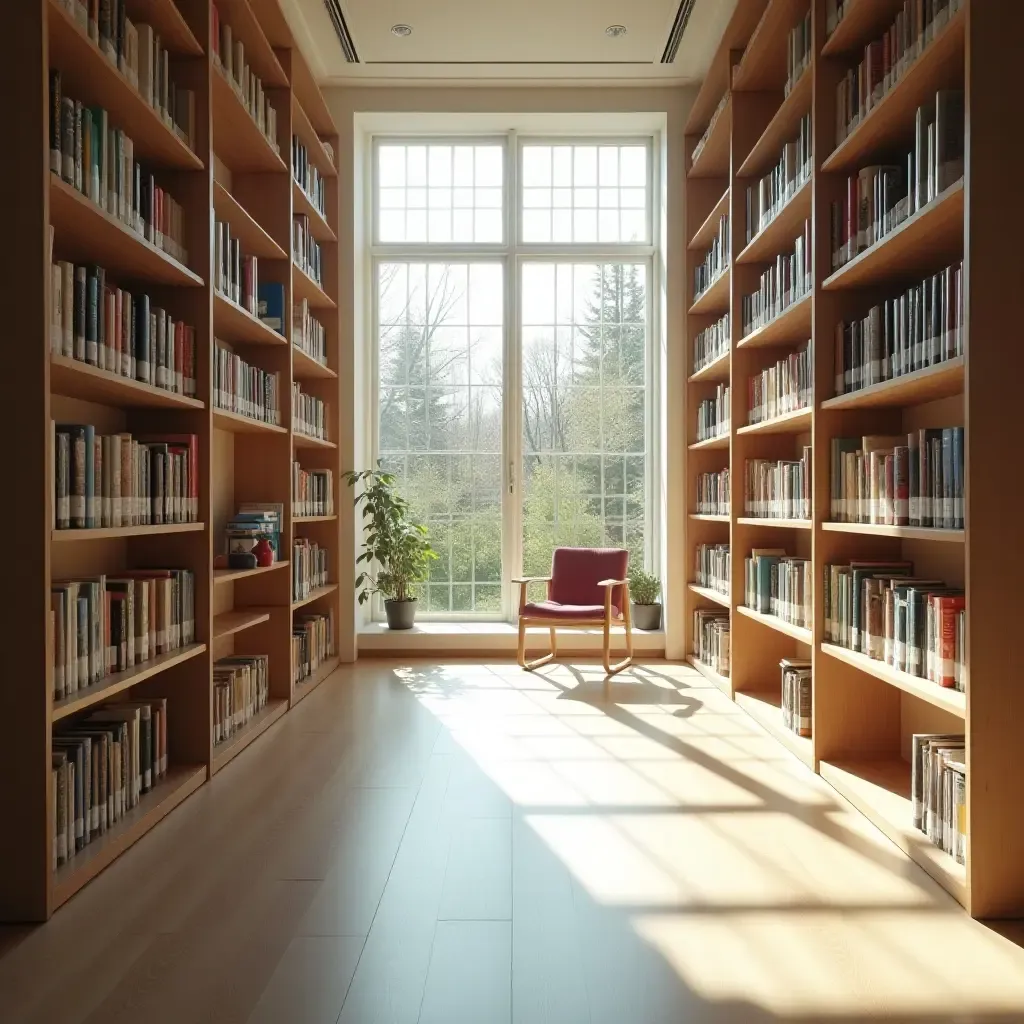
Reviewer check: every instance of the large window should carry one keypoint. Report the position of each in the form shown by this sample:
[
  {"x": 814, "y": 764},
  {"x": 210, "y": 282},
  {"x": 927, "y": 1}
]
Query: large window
[{"x": 513, "y": 370}]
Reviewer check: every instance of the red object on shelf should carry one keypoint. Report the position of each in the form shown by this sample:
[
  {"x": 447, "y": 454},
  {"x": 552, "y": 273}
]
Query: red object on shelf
[{"x": 264, "y": 553}]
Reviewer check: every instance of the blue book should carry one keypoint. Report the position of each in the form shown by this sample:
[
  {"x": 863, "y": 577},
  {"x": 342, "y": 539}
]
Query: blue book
[
  {"x": 270, "y": 298},
  {"x": 764, "y": 564}
]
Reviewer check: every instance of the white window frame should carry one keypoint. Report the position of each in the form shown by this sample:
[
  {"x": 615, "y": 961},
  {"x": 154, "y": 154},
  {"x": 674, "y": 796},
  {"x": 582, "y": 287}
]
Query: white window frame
[{"x": 513, "y": 253}]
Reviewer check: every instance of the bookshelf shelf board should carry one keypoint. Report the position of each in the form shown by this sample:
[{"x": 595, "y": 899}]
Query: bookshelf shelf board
[
  {"x": 765, "y": 708},
  {"x": 238, "y": 424},
  {"x": 782, "y": 128},
  {"x": 166, "y": 19},
  {"x": 76, "y": 379},
  {"x": 83, "y": 233},
  {"x": 236, "y": 138},
  {"x": 891, "y": 120},
  {"x": 716, "y": 371},
  {"x": 306, "y": 288},
  {"x": 87, "y": 75},
  {"x": 721, "y": 441},
  {"x": 235, "y": 621},
  {"x": 318, "y": 227},
  {"x": 795, "y": 422},
  {"x": 315, "y": 595},
  {"x": 714, "y": 298},
  {"x": 117, "y": 682},
  {"x": 722, "y": 682},
  {"x": 113, "y": 532},
  {"x": 708, "y": 231},
  {"x": 314, "y": 519},
  {"x": 949, "y": 700},
  {"x": 927, "y": 385},
  {"x": 709, "y": 595},
  {"x": 778, "y": 524},
  {"x": 252, "y": 730},
  {"x": 305, "y": 367},
  {"x": 792, "y": 325},
  {"x": 880, "y": 790},
  {"x": 180, "y": 782},
  {"x": 904, "y": 532},
  {"x": 763, "y": 65},
  {"x": 778, "y": 234},
  {"x": 774, "y": 622},
  {"x": 255, "y": 241},
  {"x": 713, "y": 161},
  {"x": 932, "y": 237},
  {"x": 234, "y": 324},
  {"x": 259, "y": 54},
  {"x": 863, "y": 21},
  {"x": 230, "y": 575},
  {"x": 307, "y": 441},
  {"x": 709, "y": 517},
  {"x": 303, "y": 128},
  {"x": 306, "y": 686}
]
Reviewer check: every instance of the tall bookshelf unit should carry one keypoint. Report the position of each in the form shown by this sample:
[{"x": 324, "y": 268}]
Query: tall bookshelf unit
[
  {"x": 230, "y": 174},
  {"x": 864, "y": 712}
]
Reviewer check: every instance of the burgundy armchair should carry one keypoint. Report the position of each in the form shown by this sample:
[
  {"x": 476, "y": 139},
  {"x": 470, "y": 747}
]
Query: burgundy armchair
[{"x": 587, "y": 587}]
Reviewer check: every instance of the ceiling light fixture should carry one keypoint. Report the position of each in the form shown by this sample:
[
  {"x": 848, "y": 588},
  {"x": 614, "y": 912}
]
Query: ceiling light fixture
[
  {"x": 615, "y": 31},
  {"x": 401, "y": 30}
]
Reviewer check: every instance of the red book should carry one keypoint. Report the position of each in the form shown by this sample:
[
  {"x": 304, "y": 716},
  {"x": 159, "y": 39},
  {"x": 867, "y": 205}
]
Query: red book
[{"x": 947, "y": 608}]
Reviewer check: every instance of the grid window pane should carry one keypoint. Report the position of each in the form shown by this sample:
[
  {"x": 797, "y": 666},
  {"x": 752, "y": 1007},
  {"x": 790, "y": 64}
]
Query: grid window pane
[{"x": 584, "y": 194}]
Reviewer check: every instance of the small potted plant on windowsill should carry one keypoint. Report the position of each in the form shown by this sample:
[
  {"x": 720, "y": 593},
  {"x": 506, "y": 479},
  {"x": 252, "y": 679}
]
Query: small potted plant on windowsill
[
  {"x": 644, "y": 589},
  {"x": 396, "y": 551}
]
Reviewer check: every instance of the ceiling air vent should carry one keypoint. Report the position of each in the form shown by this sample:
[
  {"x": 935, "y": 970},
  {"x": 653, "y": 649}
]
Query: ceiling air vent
[
  {"x": 348, "y": 47},
  {"x": 675, "y": 37}
]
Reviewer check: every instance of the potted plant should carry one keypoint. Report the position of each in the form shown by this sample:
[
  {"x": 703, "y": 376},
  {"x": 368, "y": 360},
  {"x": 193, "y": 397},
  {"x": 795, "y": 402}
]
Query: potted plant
[
  {"x": 396, "y": 551},
  {"x": 645, "y": 609}
]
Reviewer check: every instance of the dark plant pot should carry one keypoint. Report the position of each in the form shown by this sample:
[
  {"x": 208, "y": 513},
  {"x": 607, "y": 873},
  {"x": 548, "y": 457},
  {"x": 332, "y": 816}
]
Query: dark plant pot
[
  {"x": 646, "y": 616},
  {"x": 401, "y": 614}
]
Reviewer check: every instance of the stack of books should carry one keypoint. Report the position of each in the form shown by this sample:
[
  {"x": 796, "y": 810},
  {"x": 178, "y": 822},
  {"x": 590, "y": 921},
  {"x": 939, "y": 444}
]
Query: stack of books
[
  {"x": 253, "y": 521},
  {"x": 778, "y": 490},
  {"x": 241, "y": 687}
]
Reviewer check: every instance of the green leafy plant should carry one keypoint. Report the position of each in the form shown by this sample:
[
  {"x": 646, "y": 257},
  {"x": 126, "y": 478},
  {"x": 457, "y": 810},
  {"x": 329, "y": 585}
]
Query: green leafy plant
[
  {"x": 644, "y": 587},
  {"x": 396, "y": 552}
]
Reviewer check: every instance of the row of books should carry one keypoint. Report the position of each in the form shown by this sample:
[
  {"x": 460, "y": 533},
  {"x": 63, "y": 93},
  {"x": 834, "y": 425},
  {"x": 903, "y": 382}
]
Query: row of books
[
  {"x": 798, "y": 51},
  {"x": 778, "y": 489},
  {"x": 245, "y": 389},
  {"x": 938, "y": 786},
  {"x": 779, "y": 584},
  {"x": 229, "y": 56},
  {"x": 241, "y": 687},
  {"x": 252, "y": 522},
  {"x": 713, "y": 493},
  {"x": 107, "y": 480},
  {"x": 312, "y": 643},
  {"x": 312, "y": 491},
  {"x": 713, "y": 414},
  {"x": 104, "y": 624},
  {"x": 103, "y": 325},
  {"x": 703, "y": 140},
  {"x": 880, "y": 197},
  {"x": 787, "y": 280},
  {"x": 309, "y": 414},
  {"x": 711, "y": 343},
  {"x": 308, "y": 176},
  {"x": 712, "y": 567},
  {"x": 912, "y": 624},
  {"x": 308, "y": 334},
  {"x": 797, "y": 695},
  {"x": 913, "y": 479},
  {"x": 306, "y": 250},
  {"x": 235, "y": 275},
  {"x": 785, "y": 387},
  {"x": 98, "y": 159},
  {"x": 920, "y": 328},
  {"x": 137, "y": 51},
  {"x": 715, "y": 261},
  {"x": 101, "y": 766},
  {"x": 310, "y": 568},
  {"x": 711, "y": 638},
  {"x": 887, "y": 59},
  {"x": 766, "y": 197}
]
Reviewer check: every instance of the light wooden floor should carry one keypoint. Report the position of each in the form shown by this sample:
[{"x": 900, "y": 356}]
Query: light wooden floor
[{"x": 472, "y": 845}]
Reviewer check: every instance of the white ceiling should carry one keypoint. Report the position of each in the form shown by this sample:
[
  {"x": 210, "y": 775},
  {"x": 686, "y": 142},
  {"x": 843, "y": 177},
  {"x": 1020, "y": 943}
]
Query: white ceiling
[{"x": 494, "y": 41}]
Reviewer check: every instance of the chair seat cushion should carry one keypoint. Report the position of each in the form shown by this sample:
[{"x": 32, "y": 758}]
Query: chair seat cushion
[{"x": 557, "y": 610}]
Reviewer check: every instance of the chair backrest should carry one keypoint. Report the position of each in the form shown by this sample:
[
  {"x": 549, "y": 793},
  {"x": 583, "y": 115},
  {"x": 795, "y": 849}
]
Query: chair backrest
[{"x": 576, "y": 572}]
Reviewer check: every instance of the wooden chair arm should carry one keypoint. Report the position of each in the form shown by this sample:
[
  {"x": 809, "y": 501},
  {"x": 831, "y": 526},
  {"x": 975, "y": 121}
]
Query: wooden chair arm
[
  {"x": 524, "y": 582},
  {"x": 532, "y": 579},
  {"x": 613, "y": 583},
  {"x": 609, "y": 589}
]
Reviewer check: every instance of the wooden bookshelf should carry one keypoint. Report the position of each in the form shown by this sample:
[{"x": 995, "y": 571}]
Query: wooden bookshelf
[
  {"x": 710, "y": 595},
  {"x": 765, "y": 707},
  {"x": 784, "y": 126},
  {"x": 315, "y": 595},
  {"x": 716, "y": 371},
  {"x": 774, "y": 622},
  {"x": 795, "y": 422},
  {"x": 307, "y": 288},
  {"x": 708, "y": 231},
  {"x": 319, "y": 227},
  {"x": 721, "y": 441},
  {"x": 714, "y": 298},
  {"x": 709, "y": 517},
  {"x": 232, "y": 174},
  {"x": 940, "y": 381},
  {"x": 778, "y": 524},
  {"x": 778, "y": 234},
  {"x": 722, "y": 682},
  {"x": 713, "y": 159},
  {"x": 904, "y": 532},
  {"x": 793, "y": 324}
]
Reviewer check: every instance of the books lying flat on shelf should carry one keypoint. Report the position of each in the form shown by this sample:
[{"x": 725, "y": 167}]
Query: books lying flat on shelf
[
  {"x": 107, "y": 480},
  {"x": 308, "y": 177},
  {"x": 880, "y": 609},
  {"x": 309, "y": 414},
  {"x": 914, "y": 479},
  {"x": 255, "y": 520},
  {"x": 796, "y": 695},
  {"x": 101, "y": 767},
  {"x": 241, "y": 687},
  {"x": 785, "y": 387},
  {"x": 713, "y": 493},
  {"x": 768, "y": 196},
  {"x": 703, "y": 140},
  {"x": 111, "y": 623},
  {"x": 711, "y": 344},
  {"x": 244, "y": 389},
  {"x": 306, "y": 250},
  {"x": 713, "y": 414},
  {"x": 778, "y": 490},
  {"x": 308, "y": 334},
  {"x": 715, "y": 261},
  {"x": 96, "y": 322},
  {"x": 312, "y": 644},
  {"x": 312, "y": 491},
  {"x": 938, "y": 785},
  {"x": 711, "y": 638},
  {"x": 779, "y": 584},
  {"x": 310, "y": 568},
  {"x": 787, "y": 280},
  {"x": 235, "y": 275},
  {"x": 798, "y": 51},
  {"x": 712, "y": 567}
]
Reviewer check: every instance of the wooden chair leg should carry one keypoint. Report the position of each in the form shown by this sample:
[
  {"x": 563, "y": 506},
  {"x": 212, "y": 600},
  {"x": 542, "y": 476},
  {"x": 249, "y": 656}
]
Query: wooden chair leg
[
  {"x": 529, "y": 666},
  {"x": 609, "y": 668}
]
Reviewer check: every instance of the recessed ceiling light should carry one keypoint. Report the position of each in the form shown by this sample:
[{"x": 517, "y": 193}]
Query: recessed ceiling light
[
  {"x": 615, "y": 31},
  {"x": 401, "y": 30}
]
